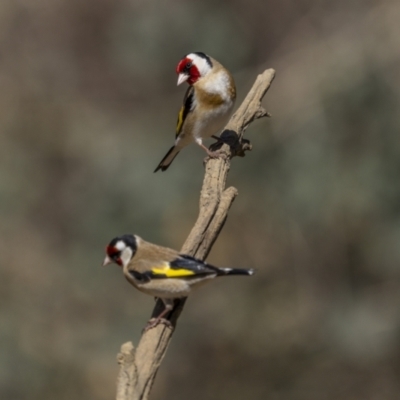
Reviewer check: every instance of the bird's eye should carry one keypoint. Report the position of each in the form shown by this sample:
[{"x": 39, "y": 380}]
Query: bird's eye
[
  {"x": 189, "y": 65},
  {"x": 114, "y": 255}
]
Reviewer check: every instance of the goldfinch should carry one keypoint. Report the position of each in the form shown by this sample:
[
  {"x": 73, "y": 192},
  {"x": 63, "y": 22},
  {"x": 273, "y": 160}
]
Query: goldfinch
[
  {"x": 160, "y": 271},
  {"x": 207, "y": 104}
]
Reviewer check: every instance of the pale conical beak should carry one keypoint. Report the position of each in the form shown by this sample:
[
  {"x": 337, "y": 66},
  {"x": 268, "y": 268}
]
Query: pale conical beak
[
  {"x": 182, "y": 78},
  {"x": 107, "y": 261}
]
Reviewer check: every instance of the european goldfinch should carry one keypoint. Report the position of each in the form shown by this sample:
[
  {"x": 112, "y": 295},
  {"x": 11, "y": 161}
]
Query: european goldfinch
[
  {"x": 160, "y": 271},
  {"x": 207, "y": 104}
]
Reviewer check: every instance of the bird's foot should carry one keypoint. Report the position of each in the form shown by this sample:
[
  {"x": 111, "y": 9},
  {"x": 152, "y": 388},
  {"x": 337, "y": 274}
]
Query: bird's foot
[
  {"x": 214, "y": 155},
  {"x": 153, "y": 322},
  {"x": 210, "y": 153}
]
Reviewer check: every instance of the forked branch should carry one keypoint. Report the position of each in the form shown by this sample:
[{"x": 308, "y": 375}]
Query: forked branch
[{"x": 138, "y": 367}]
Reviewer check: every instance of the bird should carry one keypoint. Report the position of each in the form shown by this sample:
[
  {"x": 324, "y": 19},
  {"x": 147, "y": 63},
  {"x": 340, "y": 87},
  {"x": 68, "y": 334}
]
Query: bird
[
  {"x": 160, "y": 271},
  {"x": 207, "y": 104}
]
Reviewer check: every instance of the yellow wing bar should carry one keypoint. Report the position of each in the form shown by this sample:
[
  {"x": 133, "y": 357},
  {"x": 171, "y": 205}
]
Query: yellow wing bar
[
  {"x": 185, "y": 109},
  {"x": 180, "y": 120},
  {"x": 169, "y": 272}
]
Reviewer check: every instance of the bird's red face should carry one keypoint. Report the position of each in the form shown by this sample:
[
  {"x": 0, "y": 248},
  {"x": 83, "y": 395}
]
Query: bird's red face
[
  {"x": 113, "y": 256},
  {"x": 187, "y": 71},
  {"x": 120, "y": 250}
]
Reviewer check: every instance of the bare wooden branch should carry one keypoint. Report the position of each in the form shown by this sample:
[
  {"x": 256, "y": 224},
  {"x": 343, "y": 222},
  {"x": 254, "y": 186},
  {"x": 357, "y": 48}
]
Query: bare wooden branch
[{"x": 138, "y": 367}]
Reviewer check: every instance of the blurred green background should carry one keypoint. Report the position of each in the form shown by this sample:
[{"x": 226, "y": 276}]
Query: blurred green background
[{"x": 88, "y": 106}]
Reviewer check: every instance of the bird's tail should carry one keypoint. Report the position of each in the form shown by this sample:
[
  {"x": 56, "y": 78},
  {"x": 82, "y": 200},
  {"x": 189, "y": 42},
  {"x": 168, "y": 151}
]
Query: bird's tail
[
  {"x": 167, "y": 160},
  {"x": 235, "y": 271}
]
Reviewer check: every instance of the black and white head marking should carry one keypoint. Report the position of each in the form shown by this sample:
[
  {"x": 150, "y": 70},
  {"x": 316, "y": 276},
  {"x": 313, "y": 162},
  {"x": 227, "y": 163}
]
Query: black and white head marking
[{"x": 201, "y": 61}]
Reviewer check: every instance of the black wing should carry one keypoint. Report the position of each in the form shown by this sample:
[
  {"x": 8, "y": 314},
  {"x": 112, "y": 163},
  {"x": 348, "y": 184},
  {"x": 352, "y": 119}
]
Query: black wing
[{"x": 187, "y": 106}]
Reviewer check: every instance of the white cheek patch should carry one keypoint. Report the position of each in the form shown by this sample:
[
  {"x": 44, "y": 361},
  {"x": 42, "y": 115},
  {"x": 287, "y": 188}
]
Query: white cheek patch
[
  {"x": 126, "y": 255},
  {"x": 120, "y": 245},
  {"x": 201, "y": 64}
]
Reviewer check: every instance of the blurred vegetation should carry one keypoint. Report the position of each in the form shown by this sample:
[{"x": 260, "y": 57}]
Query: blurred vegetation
[{"x": 88, "y": 105}]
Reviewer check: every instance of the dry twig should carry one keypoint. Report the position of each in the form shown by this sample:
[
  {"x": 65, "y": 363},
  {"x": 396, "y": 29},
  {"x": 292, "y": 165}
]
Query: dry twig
[{"x": 138, "y": 367}]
